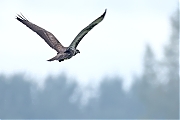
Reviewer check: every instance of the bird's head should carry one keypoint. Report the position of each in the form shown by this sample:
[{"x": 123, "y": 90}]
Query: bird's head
[
  {"x": 77, "y": 51},
  {"x": 72, "y": 51}
]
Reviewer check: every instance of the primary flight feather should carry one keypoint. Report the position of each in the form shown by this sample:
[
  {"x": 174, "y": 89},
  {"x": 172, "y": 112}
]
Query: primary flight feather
[{"x": 62, "y": 52}]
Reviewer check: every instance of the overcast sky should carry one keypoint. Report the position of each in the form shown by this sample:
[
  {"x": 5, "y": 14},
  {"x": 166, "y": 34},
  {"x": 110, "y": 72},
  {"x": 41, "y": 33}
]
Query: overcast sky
[{"x": 113, "y": 47}]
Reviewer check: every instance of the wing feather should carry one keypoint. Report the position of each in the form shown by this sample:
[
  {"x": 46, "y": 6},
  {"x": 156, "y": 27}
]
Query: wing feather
[
  {"x": 83, "y": 32},
  {"x": 48, "y": 37}
]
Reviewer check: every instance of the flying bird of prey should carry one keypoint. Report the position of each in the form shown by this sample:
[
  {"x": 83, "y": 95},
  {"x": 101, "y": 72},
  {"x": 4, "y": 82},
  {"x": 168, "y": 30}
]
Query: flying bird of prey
[{"x": 62, "y": 52}]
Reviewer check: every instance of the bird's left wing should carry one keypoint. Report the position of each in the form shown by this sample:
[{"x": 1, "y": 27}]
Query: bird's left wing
[
  {"x": 48, "y": 37},
  {"x": 83, "y": 32}
]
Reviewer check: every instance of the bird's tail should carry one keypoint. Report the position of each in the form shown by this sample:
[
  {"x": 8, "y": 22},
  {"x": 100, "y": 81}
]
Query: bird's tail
[{"x": 54, "y": 58}]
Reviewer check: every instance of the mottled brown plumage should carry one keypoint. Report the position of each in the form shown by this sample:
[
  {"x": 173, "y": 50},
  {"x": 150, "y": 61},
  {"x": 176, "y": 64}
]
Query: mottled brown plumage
[{"x": 62, "y": 52}]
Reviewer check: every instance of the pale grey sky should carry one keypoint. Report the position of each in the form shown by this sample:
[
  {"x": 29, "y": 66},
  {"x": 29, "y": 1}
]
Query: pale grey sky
[{"x": 114, "y": 47}]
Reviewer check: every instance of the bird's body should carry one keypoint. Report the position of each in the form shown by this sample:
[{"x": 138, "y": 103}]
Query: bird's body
[{"x": 62, "y": 52}]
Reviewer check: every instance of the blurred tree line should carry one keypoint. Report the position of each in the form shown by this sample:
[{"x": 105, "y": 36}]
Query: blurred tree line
[{"x": 154, "y": 93}]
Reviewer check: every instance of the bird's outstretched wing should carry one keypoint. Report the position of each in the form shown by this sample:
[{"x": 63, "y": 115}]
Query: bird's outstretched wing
[
  {"x": 49, "y": 38},
  {"x": 83, "y": 32}
]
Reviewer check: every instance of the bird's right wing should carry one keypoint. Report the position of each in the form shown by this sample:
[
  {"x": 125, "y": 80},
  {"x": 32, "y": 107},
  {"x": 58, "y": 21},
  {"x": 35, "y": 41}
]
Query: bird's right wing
[
  {"x": 83, "y": 32},
  {"x": 49, "y": 38}
]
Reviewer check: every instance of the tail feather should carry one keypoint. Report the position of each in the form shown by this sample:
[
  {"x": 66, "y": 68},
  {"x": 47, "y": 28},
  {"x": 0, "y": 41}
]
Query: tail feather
[
  {"x": 60, "y": 57},
  {"x": 54, "y": 58}
]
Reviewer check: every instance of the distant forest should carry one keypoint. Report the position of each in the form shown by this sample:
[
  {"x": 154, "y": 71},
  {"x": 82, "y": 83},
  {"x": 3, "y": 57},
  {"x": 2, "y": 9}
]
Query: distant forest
[{"x": 153, "y": 95}]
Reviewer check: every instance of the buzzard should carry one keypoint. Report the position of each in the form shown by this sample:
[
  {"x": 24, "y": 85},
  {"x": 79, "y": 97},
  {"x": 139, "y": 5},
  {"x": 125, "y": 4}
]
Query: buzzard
[{"x": 63, "y": 53}]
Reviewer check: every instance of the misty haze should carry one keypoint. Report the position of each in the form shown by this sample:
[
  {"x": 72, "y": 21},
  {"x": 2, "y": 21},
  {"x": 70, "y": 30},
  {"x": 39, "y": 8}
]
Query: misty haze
[{"x": 153, "y": 93}]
